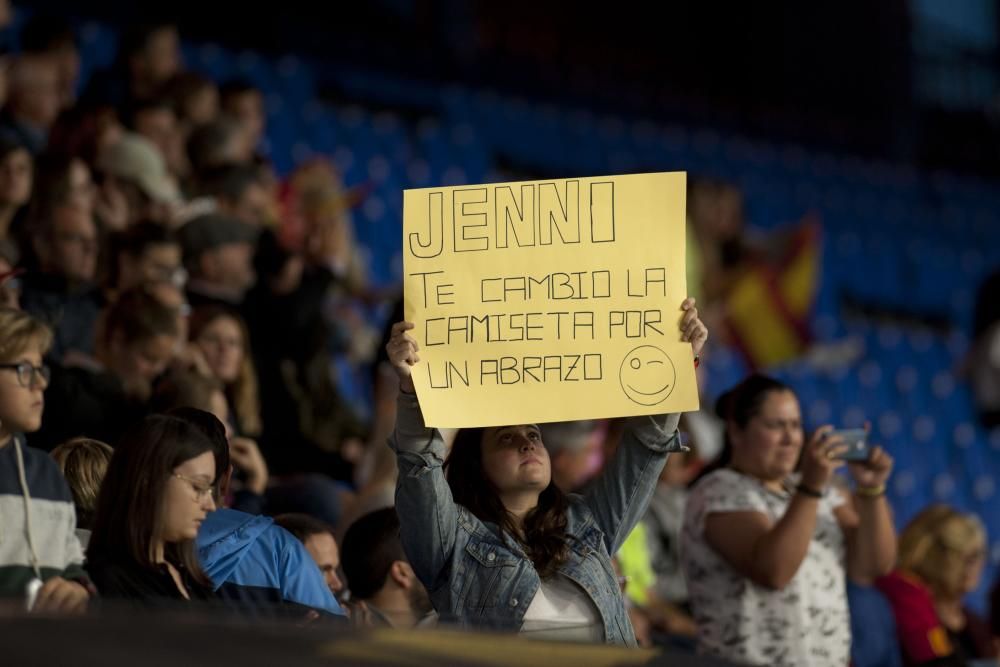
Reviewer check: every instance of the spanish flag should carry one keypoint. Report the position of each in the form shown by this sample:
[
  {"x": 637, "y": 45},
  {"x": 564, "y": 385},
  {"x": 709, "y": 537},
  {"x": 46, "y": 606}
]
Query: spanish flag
[{"x": 769, "y": 307}]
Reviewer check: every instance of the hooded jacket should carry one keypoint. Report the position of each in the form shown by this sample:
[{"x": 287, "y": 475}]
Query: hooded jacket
[{"x": 261, "y": 567}]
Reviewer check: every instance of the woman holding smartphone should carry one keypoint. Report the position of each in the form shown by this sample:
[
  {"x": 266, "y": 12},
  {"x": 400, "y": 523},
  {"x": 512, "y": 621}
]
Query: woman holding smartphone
[{"x": 767, "y": 550}]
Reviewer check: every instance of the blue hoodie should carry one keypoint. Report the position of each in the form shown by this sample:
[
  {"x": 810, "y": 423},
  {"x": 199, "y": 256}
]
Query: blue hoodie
[{"x": 261, "y": 566}]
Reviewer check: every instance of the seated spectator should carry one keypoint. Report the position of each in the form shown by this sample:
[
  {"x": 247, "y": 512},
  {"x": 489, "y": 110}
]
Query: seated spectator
[
  {"x": 249, "y": 559},
  {"x": 45, "y": 546},
  {"x": 489, "y": 522},
  {"x": 385, "y": 591},
  {"x": 60, "y": 181},
  {"x": 218, "y": 252},
  {"x": 766, "y": 552},
  {"x": 666, "y": 602},
  {"x": 195, "y": 99},
  {"x": 188, "y": 388},
  {"x": 318, "y": 539},
  {"x": 146, "y": 255},
  {"x": 665, "y": 521},
  {"x": 154, "y": 498},
  {"x": 239, "y": 192},
  {"x": 222, "y": 338},
  {"x": 575, "y": 452},
  {"x": 313, "y": 493},
  {"x": 102, "y": 398},
  {"x": 329, "y": 238},
  {"x": 148, "y": 57},
  {"x": 221, "y": 142},
  {"x": 16, "y": 178},
  {"x": 84, "y": 130},
  {"x": 155, "y": 119},
  {"x": 307, "y": 422},
  {"x": 64, "y": 292},
  {"x": 244, "y": 102},
  {"x": 63, "y": 181},
  {"x": 140, "y": 172},
  {"x": 33, "y": 102},
  {"x": 941, "y": 557},
  {"x": 53, "y": 37},
  {"x": 83, "y": 462}
]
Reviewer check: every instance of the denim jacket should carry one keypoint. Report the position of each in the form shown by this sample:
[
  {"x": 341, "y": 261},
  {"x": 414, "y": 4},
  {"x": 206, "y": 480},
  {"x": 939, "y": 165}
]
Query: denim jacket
[{"x": 482, "y": 579}]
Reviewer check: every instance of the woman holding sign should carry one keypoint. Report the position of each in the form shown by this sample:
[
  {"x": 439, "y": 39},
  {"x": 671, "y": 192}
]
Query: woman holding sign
[{"x": 494, "y": 540}]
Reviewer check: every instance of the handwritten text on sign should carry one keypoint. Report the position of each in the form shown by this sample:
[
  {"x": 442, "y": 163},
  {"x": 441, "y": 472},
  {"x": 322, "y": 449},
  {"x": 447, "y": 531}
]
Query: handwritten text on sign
[{"x": 548, "y": 301}]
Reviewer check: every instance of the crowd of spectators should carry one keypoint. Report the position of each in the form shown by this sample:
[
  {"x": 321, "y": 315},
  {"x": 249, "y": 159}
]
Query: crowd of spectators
[{"x": 172, "y": 433}]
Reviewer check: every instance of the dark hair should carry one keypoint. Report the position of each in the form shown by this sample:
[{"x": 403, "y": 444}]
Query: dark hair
[
  {"x": 302, "y": 526},
  {"x": 182, "y": 87},
  {"x": 139, "y": 316},
  {"x": 544, "y": 536},
  {"x": 43, "y": 33},
  {"x": 130, "y": 502},
  {"x": 144, "y": 104},
  {"x": 370, "y": 546},
  {"x": 133, "y": 242},
  {"x": 229, "y": 181},
  {"x": 737, "y": 407},
  {"x": 52, "y": 186},
  {"x": 137, "y": 38},
  {"x": 138, "y": 238},
  {"x": 214, "y": 430},
  {"x": 236, "y": 87},
  {"x": 10, "y": 145},
  {"x": 207, "y": 144},
  {"x": 184, "y": 388}
]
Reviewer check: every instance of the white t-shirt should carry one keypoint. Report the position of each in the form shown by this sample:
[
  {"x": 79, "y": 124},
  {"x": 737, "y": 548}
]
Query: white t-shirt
[
  {"x": 806, "y": 623},
  {"x": 562, "y": 611}
]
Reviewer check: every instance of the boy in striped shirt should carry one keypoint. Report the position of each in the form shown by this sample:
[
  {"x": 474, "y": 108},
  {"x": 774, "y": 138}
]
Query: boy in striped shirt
[{"x": 37, "y": 519}]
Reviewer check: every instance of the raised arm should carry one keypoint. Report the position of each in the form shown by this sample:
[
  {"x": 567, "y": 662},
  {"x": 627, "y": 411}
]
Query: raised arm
[
  {"x": 619, "y": 497},
  {"x": 867, "y": 521},
  {"x": 770, "y": 553},
  {"x": 428, "y": 517}
]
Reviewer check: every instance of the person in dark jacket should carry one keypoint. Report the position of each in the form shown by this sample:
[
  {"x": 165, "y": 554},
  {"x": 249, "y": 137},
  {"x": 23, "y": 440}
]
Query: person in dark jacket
[
  {"x": 154, "y": 498},
  {"x": 100, "y": 400},
  {"x": 63, "y": 292}
]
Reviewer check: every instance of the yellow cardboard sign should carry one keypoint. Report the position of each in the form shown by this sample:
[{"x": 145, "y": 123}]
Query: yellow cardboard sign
[{"x": 548, "y": 301}]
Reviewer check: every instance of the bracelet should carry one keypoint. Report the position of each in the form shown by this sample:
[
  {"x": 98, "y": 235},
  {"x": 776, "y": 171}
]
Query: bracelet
[
  {"x": 697, "y": 360},
  {"x": 806, "y": 491},
  {"x": 871, "y": 491}
]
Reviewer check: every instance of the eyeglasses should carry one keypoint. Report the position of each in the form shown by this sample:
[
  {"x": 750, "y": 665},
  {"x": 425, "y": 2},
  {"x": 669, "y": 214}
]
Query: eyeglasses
[
  {"x": 201, "y": 489},
  {"x": 26, "y": 373}
]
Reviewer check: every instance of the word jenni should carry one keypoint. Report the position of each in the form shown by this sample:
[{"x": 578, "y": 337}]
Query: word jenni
[{"x": 502, "y": 216}]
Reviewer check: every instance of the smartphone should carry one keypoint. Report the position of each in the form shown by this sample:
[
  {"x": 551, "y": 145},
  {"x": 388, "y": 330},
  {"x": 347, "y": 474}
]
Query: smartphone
[{"x": 856, "y": 440}]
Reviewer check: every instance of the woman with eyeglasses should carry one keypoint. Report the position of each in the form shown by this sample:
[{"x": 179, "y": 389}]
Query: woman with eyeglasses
[
  {"x": 155, "y": 495},
  {"x": 942, "y": 553}
]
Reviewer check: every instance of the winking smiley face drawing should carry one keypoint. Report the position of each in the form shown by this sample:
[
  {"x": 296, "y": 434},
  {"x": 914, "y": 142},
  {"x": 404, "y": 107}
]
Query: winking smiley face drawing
[{"x": 647, "y": 375}]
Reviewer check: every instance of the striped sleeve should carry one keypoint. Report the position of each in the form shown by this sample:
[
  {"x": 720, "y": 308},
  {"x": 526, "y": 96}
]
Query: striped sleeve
[{"x": 50, "y": 516}]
